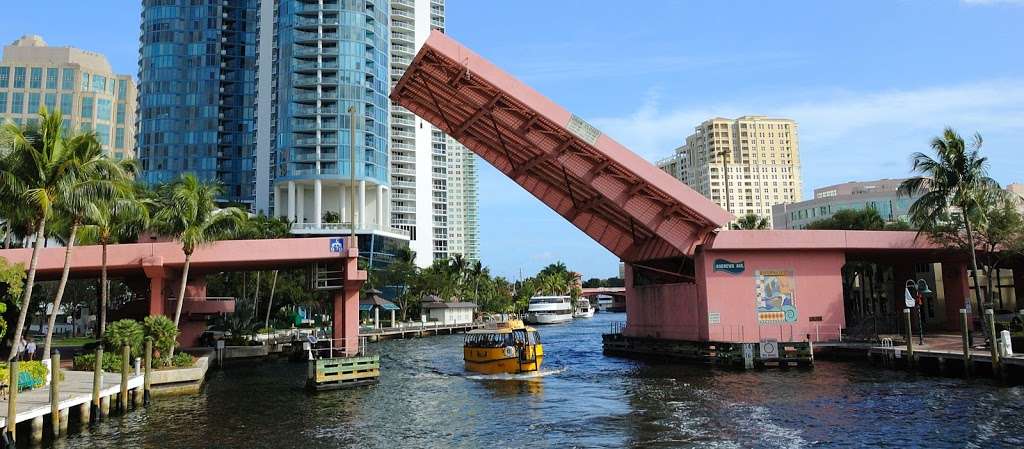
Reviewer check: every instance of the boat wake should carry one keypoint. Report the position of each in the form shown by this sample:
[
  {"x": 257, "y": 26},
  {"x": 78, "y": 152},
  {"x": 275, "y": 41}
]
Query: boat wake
[{"x": 521, "y": 376}]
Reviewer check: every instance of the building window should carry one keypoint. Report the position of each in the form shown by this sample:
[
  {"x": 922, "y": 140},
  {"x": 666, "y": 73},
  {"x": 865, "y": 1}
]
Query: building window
[
  {"x": 33, "y": 103},
  {"x": 37, "y": 78},
  {"x": 50, "y": 102},
  {"x": 3, "y": 102},
  {"x": 51, "y": 78},
  {"x": 5, "y": 75},
  {"x": 87, "y": 107},
  {"x": 85, "y": 82},
  {"x": 17, "y": 102},
  {"x": 67, "y": 79},
  {"x": 122, "y": 89},
  {"x": 103, "y": 109},
  {"x": 99, "y": 83},
  {"x": 103, "y": 133},
  {"x": 120, "y": 113},
  {"x": 19, "y": 77},
  {"x": 119, "y": 138},
  {"x": 65, "y": 103}
]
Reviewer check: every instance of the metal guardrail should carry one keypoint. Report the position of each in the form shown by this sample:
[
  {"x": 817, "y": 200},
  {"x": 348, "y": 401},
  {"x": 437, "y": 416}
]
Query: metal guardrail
[{"x": 335, "y": 347}]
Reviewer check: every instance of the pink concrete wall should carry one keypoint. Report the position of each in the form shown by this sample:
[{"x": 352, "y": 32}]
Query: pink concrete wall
[
  {"x": 670, "y": 311},
  {"x": 818, "y": 292}
]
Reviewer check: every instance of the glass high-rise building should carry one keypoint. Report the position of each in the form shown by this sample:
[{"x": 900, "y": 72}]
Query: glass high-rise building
[
  {"x": 197, "y": 92},
  {"x": 318, "y": 59},
  {"x": 279, "y": 140}
]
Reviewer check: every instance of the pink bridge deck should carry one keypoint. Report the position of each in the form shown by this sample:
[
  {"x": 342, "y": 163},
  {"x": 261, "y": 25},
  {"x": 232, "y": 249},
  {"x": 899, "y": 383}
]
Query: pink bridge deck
[
  {"x": 663, "y": 230},
  {"x": 623, "y": 202},
  {"x": 160, "y": 264}
]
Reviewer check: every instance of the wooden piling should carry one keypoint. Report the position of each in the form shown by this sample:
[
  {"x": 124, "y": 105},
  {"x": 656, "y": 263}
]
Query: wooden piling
[
  {"x": 64, "y": 415},
  {"x": 55, "y": 393},
  {"x": 85, "y": 413},
  {"x": 97, "y": 380},
  {"x": 105, "y": 406},
  {"x": 147, "y": 376},
  {"x": 997, "y": 364},
  {"x": 965, "y": 332},
  {"x": 12, "y": 400},
  {"x": 910, "y": 337},
  {"x": 36, "y": 426},
  {"x": 125, "y": 368}
]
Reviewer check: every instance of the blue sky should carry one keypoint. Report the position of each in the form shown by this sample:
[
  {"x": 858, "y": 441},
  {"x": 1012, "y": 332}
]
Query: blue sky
[{"x": 868, "y": 81}]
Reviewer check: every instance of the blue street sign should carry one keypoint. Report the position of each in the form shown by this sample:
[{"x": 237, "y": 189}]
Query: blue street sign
[{"x": 337, "y": 245}]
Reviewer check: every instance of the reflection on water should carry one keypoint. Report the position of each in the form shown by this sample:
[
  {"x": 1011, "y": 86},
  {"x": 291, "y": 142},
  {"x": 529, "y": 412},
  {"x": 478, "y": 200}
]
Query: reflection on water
[{"x": 426, "y": 399}]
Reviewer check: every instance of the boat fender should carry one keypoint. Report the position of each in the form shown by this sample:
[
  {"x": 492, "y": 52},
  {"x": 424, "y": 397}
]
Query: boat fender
[{"x": 510, "y": 351}]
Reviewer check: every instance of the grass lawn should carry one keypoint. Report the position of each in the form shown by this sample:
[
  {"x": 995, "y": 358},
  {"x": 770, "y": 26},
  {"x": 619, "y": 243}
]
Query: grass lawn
[{"x": 72, "y": 342}]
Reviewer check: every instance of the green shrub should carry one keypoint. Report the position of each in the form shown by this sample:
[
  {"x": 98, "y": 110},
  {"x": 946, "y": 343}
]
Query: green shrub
[
  {"x": 31, "y": 374},
  {"x": 182, "y": 360},
  {"x": 86, "y": 362},
  {"x": 124, "y": 332},
  {"x": 163, "y": 332}
]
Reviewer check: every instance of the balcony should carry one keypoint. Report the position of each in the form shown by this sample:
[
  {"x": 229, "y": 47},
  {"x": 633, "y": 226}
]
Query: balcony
[
  {"x": 313, "y": 141},
  {"x": 402, "y": 134},
  {"x": 313, "y": 81},
  {"x": 403, "y": 158},
  {"x": 344, "y": 228},
  {"x": 313, "y": 96},
  {"x": 403, "y": 147},
  {"x": 313, "y": 66},
  {"x": 312, "y": 111}
]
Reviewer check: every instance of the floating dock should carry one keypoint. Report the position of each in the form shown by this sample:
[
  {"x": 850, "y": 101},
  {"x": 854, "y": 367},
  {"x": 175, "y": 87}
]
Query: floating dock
[{"x": 766, "y": 354}]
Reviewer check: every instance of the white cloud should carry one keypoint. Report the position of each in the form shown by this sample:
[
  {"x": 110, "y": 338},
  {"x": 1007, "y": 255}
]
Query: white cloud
[{"x": 848, "y": 135}]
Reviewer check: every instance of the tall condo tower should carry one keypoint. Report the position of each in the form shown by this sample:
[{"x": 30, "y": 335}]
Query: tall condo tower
[{"x": 197, "y": 91}]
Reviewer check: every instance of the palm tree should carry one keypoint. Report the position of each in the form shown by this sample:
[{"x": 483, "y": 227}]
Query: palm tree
[
  {"x": 99, "y": 178},
  {"x": 957, "y": 180},
  {"x": 751, "y": 222},
  {"x": 112, "y": 221},
  {"x": 45, "y": 172},
  {"x": 188, "y": 213}
]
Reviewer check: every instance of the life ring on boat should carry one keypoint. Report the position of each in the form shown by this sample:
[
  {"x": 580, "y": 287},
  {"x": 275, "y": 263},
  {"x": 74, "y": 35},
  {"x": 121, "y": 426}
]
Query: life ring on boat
[{"x": 510, "y": 351}]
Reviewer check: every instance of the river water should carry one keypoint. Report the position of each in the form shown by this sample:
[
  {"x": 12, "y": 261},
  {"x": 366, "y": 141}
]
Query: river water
[{"x": 426, "y": 400}]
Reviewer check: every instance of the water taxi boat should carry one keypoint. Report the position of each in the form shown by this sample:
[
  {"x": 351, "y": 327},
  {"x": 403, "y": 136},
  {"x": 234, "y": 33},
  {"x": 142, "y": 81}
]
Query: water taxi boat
[
  {"x": 583, "y": 308},
  {"x": 506, "y": 347},
  {"x": 549, "y": 310}
]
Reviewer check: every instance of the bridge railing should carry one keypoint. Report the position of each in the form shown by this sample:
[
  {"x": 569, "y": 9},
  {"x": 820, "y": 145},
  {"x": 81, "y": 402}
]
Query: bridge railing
[{"x": 337, "y": 347}]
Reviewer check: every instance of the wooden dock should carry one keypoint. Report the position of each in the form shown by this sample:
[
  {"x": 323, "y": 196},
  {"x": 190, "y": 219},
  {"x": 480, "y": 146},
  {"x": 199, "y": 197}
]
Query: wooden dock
[
  {"x": 75, "y": 391},
  {"x": 408, "y": 330},
  {"x": 941, "y": 355}
]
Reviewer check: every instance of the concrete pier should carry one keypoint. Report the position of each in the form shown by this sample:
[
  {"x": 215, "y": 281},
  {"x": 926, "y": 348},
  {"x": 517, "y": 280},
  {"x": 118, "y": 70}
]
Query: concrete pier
[{"x": 75, "y": 391}]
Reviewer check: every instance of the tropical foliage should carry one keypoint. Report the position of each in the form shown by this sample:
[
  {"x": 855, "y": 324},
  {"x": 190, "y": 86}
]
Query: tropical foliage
[
  {"x": 954, "y": 182},
  {"x": 752, "y": 222}
]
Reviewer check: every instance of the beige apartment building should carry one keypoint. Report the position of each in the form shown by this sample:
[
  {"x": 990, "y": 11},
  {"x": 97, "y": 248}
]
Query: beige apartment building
[
  {"x": 745, "y": 165},
  {"x": 81, "y": 84}
]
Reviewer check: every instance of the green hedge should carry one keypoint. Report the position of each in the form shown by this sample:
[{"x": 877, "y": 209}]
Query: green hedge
[
  {"x": 86, "y": 362},
  {"x": 31, "y": 374}
]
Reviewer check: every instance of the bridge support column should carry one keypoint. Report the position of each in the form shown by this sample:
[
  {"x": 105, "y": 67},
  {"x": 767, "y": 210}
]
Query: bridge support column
[
  {"x": 345, "y": 331},
  {"x": 157, "y": 275}
]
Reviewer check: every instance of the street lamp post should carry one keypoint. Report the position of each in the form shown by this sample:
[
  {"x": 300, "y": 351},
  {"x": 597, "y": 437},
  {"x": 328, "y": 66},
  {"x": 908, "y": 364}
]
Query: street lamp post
[{"x": 917, "y": 300}]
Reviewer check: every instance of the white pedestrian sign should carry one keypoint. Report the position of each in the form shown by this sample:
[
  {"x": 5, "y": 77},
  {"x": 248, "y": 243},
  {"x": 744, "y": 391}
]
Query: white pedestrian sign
[{"x": 337, "y": 245}]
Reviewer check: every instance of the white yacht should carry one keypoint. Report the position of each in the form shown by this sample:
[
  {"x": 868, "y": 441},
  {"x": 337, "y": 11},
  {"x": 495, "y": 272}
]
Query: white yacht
[
  {"x": 604, "y": 302},
  {"x": 549, "y": 310},
  {"x": 583, "y": 308}
]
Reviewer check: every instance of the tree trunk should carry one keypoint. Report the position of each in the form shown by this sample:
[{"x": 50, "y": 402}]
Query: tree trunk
[
  {"x": 270, "y": 302},
  {"x": 974, "y": 266},
  {"x": 60, "y": 292},
  {"x": 256, "y": 298},
  {"x": 26, "y": 296},
  {"x": 104, "y": 294},
  {"x": 181, "y": 296}
]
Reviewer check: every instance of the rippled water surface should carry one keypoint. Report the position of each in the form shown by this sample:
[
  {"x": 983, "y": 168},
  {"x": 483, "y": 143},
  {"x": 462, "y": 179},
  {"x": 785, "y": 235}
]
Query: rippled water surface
[{"x": 426, "y": 400}]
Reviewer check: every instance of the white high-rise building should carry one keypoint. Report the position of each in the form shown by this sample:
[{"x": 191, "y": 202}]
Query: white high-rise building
[
  {"x": 745, "y": 165},
  {"x": 463, "y": 221},
  {"x": 421, "y": 155}
]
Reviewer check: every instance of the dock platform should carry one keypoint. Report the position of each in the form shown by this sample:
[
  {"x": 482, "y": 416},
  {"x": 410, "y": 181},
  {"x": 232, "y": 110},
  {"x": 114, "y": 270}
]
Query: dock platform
[
  {"x": 75, "y": 390},
  {"x": 418, "y": 330}
]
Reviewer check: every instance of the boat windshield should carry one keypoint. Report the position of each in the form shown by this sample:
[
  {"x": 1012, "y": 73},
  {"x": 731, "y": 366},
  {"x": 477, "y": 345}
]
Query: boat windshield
[
  {"x": 492, "y": 340},
  {"x": 554, "y": 300}
]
